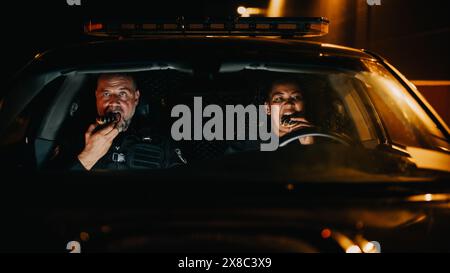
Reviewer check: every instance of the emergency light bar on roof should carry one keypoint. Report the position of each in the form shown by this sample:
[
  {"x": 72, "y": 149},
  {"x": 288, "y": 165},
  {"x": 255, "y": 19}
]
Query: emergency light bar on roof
[{"x": 242, "y": 26}]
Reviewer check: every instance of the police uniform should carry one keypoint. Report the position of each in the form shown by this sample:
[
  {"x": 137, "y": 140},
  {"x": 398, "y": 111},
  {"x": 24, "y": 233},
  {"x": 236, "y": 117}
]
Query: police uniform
[{"x": 136, "y": 149}]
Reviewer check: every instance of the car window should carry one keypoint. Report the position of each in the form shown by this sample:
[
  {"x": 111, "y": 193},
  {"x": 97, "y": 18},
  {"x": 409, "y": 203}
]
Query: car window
[
  {"x": 30, "y": 118},
  {"x": 331, "y": 103},
  {"x": 17, "y": 144},
  {"x": 405, "y": 120},
  {"x": 337, "y": 100}
]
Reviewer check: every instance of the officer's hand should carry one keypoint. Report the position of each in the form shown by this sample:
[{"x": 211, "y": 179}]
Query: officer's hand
[{"x": 97, "y": 144}]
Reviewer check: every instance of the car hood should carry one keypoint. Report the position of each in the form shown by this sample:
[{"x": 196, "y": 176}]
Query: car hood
[
  {"x": 217, "y": 217},
  {"x": 329, "y": 162},
  {"x": 256, "y": 202}
]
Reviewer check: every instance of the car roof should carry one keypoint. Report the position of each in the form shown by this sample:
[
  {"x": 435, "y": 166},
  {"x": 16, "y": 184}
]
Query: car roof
[{"x": 176, "y": 47}]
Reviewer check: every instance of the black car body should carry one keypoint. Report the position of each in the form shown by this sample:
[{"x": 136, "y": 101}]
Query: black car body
[{"x": 323, "y": 198}]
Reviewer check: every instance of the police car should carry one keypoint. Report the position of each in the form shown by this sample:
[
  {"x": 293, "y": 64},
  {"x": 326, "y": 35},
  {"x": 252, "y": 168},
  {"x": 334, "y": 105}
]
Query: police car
[{"x": 375, "y": 172}]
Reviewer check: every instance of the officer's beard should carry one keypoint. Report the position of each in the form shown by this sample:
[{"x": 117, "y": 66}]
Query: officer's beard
[{"x": 123, "y": 124}]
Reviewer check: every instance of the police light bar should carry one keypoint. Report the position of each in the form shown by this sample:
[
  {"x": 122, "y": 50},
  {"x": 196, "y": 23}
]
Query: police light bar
[{"x": 242, "y": 26}]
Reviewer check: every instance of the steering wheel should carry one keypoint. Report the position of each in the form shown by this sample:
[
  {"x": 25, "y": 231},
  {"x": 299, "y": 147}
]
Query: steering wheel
[{"x": 315, "y": 132}]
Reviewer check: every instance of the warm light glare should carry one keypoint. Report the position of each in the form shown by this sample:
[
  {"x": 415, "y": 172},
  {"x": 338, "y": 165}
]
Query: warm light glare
[
  {"x": 241, "y": 10},
  {"x": 369, "y": 247},
  {"x": 376, "y": 247},
  {"x": 276, "y": 8},
  {"x": 372, "y": 247},
  {"x": 430, "y": 83},
  {"x": 326, "y": 233},
  {"x": 353, "y": 249},
  {"x": 253, "y": 11},
  {"x": 94, "y": 26},
  {"x": 246, "y": 12},
  {"x": 429, "y": 197}
]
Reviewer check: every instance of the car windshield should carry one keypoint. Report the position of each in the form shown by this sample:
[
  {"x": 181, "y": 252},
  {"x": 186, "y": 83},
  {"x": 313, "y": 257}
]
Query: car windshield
[
  {"x": 364, "y": 105},
  {"x": 213, "y": 111}
]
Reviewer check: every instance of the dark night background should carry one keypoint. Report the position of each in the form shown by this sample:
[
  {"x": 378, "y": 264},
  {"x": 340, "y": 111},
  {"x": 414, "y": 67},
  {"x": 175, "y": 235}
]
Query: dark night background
[{"x": 414, "y": 35}]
